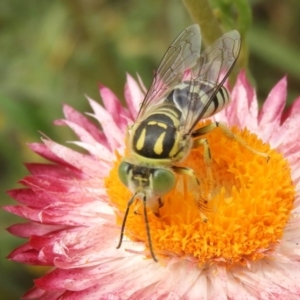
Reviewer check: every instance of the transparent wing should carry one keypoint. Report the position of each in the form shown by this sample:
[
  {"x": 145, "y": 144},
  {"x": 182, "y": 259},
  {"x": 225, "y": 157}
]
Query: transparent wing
[
  {"x": 182, "y": 55},
  {"x": 206, "y": 78}
]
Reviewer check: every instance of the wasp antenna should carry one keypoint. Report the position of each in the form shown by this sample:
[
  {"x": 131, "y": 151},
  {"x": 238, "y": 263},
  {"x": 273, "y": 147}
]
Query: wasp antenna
[
  {"x": 124, "y": 220},
  {"x": 148, "y": 230}
]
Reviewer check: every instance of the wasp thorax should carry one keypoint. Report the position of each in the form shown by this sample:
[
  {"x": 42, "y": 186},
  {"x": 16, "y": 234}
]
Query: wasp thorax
[{"x": 157, "y": 136}]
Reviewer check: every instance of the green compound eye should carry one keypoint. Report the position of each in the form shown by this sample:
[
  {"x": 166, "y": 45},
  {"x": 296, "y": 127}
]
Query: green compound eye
[
  {"x": 123, "y": 172},
  {"x": 163, "y": 181}
]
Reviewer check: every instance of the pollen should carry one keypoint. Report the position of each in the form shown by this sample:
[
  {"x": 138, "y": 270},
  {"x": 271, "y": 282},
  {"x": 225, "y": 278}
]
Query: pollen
[{"x": 236, "y": 215}]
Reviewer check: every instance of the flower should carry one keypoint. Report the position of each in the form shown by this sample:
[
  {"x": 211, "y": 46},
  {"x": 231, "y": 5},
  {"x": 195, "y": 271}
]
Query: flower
[{"x": 248, "y": 248}]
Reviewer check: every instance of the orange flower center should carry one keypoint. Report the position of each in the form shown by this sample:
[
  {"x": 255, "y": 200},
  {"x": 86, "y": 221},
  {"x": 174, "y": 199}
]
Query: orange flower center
[{"x": 250, "y": 203}]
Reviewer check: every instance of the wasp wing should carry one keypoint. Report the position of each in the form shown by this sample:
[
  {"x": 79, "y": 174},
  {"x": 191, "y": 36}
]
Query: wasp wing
[
  {"x": 206, "y": 78},
  {"x": 182, "y": 55}
]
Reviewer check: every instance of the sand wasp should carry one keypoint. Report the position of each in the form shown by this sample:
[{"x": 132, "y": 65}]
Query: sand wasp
[{"x": 187, "y": 87}]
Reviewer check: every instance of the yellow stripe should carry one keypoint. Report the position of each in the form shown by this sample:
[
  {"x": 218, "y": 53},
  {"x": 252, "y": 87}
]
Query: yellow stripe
[
  {"x": 158, "y": 147},
  {"x": 168, "y": 112},
  {"x": 158, "y": 124},
  {"x": 141, "y": 140}
]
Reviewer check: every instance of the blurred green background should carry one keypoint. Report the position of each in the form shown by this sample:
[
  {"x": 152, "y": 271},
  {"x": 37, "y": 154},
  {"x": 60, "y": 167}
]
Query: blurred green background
[{"x": 54, "y": 52}]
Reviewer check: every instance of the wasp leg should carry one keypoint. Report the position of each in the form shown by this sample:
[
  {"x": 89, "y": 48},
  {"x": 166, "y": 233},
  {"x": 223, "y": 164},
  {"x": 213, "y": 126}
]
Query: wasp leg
[
  {"x": 229, "y": 134},
  {"x": 198, "y": 141},
  {"x": 202, "y": 204},
  {"x": 208, "y": 164}
]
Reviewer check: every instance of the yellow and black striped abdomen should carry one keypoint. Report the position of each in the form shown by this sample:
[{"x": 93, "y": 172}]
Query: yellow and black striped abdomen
[
  {"x": 199, "y": 98},
  {"x": 157, "y": 135},
  {"x": 218, "y": 102}
]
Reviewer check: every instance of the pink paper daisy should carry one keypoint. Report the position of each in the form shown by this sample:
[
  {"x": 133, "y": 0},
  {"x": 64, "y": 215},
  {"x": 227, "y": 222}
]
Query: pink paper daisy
[{"x": 249, "y": 248}]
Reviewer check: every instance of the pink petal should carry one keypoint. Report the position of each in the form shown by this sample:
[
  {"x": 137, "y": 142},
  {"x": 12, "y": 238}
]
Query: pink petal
[
  {"x": 112, "y": 104},
  {"x": 173, "y": 284},
  {"x": 81, "y": 133},
  {"x": 60, "y": 214},
  {"x": 283, "y": 137},
  {"x": 23, "y": 212},
  {"x": 53, "y": 170},
  {"x": 133, "y": 95},
  {"x": 75, "y": 117},
  {"x": 48, "y": 184},
  {"x": 243, "y": 110},
  {"x": 96, "y": 148},
  {"x": 59, "y": 279},
  {"x": 293, "y": 110},
  {"x": 35, "y": 293},
  {"x": 270, "y": 114},
  {"x": 109, "y": 126},
  {"x": 45, "y": 152},
  {"x": 29, "y": 197},
  {"x": 29, "y": 256},
  {"x": 28, "y": 229},
  {"x": 94, "y": 293},
  {"x": 252, "y": 102},
  {"x": 91, "y": 252},
  {"x": 84, "y": 163}
]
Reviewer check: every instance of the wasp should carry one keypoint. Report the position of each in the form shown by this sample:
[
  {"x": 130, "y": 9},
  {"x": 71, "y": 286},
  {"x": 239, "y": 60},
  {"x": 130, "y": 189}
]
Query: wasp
[{"x": 186, "y": 88}]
